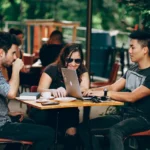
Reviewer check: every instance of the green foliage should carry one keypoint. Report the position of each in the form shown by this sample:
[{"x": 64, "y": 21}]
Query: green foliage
[
  {"x": 141, "y": 7},
  {"x": 10, "y": 11},
  {"x": 107, "y": 14}
]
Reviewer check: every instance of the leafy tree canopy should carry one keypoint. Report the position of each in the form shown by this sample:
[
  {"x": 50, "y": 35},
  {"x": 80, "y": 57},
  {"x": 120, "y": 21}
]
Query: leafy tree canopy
[
  {"x": 107, "y": 14},
  {"x": 142, "y": 7}
]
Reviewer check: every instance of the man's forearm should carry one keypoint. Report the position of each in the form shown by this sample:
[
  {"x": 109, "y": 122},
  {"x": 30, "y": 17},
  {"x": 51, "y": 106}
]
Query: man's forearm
[
  {"x": 14, "y": 84},
  {"x": 122, "y": 96},
  {"x": 109, "y": 87}
]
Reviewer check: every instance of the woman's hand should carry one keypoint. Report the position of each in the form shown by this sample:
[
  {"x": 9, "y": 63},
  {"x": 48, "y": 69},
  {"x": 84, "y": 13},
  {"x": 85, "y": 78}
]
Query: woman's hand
[{"x": 59, "y": 92}]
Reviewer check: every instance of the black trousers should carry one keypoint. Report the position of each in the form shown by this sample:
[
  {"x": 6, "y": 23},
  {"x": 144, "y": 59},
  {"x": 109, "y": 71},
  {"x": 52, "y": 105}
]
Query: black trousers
[
  {"x": 116, "y": 127},
  {"x": 42, "y": 136},
  {"x": 17, "y": 146},
  {"x": 64, "y": 118}
]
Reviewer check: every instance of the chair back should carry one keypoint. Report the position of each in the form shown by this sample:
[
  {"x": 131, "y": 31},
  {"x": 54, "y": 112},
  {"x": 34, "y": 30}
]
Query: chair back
[
  {"x": 5, "y": 140},
  {"x": 114, "y": 72},
  {"x": 33, "y": 88},
  {"x": 112, "y": 78}
]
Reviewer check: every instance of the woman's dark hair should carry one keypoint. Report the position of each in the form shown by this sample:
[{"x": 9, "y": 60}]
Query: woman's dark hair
[{"x": 66, "y": 52}]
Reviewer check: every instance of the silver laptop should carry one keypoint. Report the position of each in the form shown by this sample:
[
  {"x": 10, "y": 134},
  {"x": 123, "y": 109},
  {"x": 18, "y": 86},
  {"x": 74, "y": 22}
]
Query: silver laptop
[{"x": 72, "y": 83}]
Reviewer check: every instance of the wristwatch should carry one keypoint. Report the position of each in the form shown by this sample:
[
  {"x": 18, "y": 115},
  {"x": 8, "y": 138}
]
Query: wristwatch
[{"x": 105, "y": 92}]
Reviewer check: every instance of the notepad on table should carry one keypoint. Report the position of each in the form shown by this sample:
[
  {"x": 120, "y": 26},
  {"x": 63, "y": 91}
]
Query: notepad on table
[{"x": 29, "y": 95}]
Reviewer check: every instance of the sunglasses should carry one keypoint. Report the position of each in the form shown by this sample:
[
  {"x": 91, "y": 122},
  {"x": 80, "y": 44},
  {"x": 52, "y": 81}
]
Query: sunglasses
[{"x": 77, "y": 61}]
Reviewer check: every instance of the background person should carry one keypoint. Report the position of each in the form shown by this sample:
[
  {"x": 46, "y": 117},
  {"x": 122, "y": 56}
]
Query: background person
[
  {"x": 135, "y": 115},
  {"x": 41, "y": 136},
  {"x": 71, "y": 57},
  {"x": 50, "y": 51}
]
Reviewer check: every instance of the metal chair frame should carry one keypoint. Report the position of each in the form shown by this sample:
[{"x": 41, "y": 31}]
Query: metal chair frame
[{"x": 25, "y": 144}]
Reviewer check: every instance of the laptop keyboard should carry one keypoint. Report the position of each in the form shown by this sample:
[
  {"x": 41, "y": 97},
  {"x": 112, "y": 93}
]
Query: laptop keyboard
[{"x": 87, "y": 97}]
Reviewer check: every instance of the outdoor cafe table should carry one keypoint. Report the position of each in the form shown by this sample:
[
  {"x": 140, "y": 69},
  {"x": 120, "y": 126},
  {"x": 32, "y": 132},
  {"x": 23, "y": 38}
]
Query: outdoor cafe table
[{"x": 77, "y": 103}]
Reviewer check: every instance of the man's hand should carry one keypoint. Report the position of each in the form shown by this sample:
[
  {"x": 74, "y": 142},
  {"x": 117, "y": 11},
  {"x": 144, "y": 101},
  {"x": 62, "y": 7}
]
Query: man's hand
[
  {"x": 18, "y": 64},
  {"x": 92, "y": 92},
  {"x": 14, "y": 81},
  {"x": 14, "y": 114}
]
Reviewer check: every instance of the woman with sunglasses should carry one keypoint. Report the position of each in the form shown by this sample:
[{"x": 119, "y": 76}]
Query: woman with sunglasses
[{"x": 70, "y": 57}]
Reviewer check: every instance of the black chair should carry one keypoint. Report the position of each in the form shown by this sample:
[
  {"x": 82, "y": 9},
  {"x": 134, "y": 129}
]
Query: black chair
[
  {"x": 112, "y": 78},
  {"x": 96, "y": 136}
]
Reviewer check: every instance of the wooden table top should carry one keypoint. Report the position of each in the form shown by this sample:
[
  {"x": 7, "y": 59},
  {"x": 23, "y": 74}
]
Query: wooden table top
[{"x": 76, "y": 103}]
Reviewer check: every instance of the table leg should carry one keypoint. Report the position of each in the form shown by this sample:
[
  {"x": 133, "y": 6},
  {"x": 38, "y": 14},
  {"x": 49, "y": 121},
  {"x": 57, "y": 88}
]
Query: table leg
[
  {"x": 86, "y": 118},
  {"x": 86, "y": 114},
  {"x": 56, "y": 131}
]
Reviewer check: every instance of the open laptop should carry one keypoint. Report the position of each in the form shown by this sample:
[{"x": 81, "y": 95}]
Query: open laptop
[{"x": 72, "y": 84}]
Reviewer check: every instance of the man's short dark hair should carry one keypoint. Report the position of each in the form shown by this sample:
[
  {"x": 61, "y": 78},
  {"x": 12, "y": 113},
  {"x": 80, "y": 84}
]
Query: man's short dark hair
[
  {"x": 6, "y": 41},
  {"x": 143, "y": 38},
  {"x": 15, "y": 31}
]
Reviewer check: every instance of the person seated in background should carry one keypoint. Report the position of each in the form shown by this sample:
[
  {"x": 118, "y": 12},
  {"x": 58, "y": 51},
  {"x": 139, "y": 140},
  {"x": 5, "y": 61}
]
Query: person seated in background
[
  {"x": 135, "y": 114},
  {"x": 41, "y": 136},
  {"x": 50, "y": 51},
  {"x": 70, "y": 57}
]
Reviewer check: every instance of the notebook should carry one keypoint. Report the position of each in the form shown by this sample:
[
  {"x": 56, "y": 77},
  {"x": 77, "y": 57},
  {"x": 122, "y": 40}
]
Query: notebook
[
  {"x": 72, "y": 83},
  {"x": 29, "y": 95}
]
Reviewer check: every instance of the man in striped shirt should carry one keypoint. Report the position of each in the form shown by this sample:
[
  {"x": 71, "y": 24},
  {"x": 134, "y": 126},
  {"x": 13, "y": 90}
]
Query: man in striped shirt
[{"x": 41, "y": 136}]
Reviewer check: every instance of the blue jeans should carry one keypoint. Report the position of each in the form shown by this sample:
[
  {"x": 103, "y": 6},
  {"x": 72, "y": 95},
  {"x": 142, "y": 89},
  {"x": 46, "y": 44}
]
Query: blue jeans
[
  {"x": 42, "y": 136},
  {"x": 116, "y": 127}
]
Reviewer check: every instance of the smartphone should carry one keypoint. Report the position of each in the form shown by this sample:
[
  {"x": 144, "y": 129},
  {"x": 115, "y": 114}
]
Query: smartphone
[{"x": 49, "y": 103}]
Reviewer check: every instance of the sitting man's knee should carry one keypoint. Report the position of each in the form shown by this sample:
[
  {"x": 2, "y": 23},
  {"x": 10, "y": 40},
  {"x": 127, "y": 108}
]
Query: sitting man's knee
[
  {"x": 114, "y": 132},
  {"x": 71, "y": 131}
]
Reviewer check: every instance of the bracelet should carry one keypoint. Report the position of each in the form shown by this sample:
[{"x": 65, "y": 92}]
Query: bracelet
[{"x": 105, "y": 92}]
